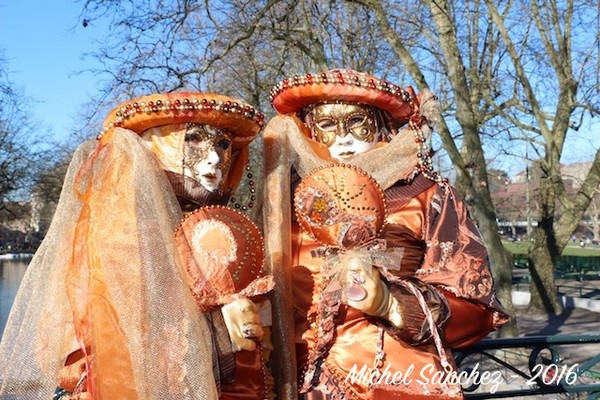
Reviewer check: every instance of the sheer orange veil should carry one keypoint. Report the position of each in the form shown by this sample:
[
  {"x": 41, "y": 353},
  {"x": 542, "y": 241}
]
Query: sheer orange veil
[{"x": 107, "y": 280}]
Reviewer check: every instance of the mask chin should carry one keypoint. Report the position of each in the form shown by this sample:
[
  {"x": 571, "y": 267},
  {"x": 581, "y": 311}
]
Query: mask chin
[{"x": 191, "y": 195}]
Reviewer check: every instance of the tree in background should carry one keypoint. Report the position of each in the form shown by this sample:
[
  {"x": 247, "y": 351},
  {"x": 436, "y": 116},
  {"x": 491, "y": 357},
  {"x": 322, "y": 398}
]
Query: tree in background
[
  {"x": 593, "y": 215},
  {"x": 234, "y": 47},
  {"x": 574, "y": 175},
  {"x": 20, "y": 154},
  {"x": 524, "y": 69},
  {"x": 553, "y": 49},
  {"x": 46, "y": 192},
  {"x": 502, "y": 71},
  {"x": 455, "y": 53},
  {"x": 27, "y": 165}
]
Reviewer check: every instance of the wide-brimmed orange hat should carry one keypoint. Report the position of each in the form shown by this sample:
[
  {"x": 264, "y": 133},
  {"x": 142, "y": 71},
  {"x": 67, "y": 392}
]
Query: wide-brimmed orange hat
[
  {"x": 292, "y": 95},
  {"x": 242, "y": 120}
]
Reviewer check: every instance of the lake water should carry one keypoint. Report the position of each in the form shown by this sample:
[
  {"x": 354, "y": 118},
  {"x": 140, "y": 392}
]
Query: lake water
[{"x": 11, "y": 273}]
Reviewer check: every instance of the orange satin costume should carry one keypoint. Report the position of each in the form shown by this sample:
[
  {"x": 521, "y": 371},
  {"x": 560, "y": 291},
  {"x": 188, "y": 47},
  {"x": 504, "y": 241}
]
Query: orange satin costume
[
  {"x": 444, "y": 277},
  {"x": 414, "y": 226},
  {"x": 105, "y": 306}
]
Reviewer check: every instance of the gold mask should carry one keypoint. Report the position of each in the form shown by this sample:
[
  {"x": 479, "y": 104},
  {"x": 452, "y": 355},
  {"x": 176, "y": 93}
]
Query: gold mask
[
  {"x": 331, "y": 120},
  {"x": 202, "y": 142}
]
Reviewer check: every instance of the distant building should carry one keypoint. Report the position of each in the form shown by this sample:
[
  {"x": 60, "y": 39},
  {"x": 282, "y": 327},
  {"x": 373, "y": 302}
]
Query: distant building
[
  {"x": 23, "y": 225},
  {"x": 512, "y": 208},
  {"x": 42, "y": 211}
]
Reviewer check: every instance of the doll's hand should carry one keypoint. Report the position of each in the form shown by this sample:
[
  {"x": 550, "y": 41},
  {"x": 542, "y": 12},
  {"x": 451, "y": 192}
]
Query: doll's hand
[
  {"x": 377, "y": 300},
  {"x": 243, "y": 324}
]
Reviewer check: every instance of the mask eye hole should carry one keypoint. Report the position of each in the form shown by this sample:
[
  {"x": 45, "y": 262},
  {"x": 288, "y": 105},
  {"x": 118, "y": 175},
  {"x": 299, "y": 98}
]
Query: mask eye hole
[
  {"x": 356, "y": 121},
  {"x": 192, "y": 139},
  {"x": 224, "y": 144},
  {"x": 326, "y": 124}
]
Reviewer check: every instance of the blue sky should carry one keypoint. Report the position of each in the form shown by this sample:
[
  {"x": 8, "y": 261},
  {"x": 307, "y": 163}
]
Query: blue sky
[{"x": 44, "y": 44}]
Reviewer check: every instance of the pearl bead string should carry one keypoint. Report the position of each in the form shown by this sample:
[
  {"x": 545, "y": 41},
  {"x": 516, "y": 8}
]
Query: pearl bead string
[
  {"x": 251, "y": 183},
  {"x": 131, "y": 109},
  {"x": 425, "y": 164},
  {"x": 342, "y": 77}
]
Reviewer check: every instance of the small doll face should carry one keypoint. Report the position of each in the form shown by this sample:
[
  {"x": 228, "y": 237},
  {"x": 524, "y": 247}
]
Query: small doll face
[
  {"x": 207, "y": 155},
  {"x": 347, "y": 129}
]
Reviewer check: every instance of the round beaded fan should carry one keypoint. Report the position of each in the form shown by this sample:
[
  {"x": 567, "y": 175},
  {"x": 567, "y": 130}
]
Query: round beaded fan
[
  {"x": 223, "y": 255},
  {"x": 340, "y": 206}
]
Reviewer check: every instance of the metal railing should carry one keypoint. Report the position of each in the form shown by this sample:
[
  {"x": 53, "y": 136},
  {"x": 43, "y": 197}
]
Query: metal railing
[
  {"x": 528, "y": 366},
  {"x": 584, "y": 292}
]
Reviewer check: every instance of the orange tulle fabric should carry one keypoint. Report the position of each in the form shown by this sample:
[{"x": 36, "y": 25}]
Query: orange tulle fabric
[
  {"x": 106, "y": 294},
  {"x": 97, "y": 325},
  {"x": 110, "y": 278}
]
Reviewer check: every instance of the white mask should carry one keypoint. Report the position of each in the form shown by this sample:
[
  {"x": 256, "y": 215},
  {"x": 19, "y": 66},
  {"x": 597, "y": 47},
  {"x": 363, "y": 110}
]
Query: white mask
[{"x": 207, "y": 155}]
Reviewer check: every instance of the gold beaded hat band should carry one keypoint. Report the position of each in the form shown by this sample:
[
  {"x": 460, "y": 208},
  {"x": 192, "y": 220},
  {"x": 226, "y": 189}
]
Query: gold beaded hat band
[
  {"x": 292, "y": 95},
  {"x": 223, "y": 112}
]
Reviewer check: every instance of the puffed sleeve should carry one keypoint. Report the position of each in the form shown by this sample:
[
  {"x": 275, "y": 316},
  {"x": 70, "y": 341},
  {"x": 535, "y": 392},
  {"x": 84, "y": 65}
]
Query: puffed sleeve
[
  {"x": 456, "y": 262},
  {"x": 452, "y": 286},
  {"x": 416, "y": 328}
]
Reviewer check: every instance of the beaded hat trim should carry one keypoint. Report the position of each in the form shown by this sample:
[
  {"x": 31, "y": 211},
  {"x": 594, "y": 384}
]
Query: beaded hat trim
[
  {"x": 241, "y": 119},
  {"x": 296, "y": 93}
]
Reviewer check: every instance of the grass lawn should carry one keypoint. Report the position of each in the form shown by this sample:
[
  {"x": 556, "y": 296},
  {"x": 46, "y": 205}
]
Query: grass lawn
[{"x": 575, "y": 250}]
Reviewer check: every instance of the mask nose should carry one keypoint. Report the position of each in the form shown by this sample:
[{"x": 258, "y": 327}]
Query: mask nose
[
  {"x": 345, "y": 140},
  {"x": 212, "y": 158},
  {"x": 340, "y": 129}
]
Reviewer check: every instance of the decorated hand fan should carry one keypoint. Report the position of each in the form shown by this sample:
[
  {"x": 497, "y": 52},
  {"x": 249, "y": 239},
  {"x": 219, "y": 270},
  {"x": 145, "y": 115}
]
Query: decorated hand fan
[
  {"x": 340, "y": 206},
  {"x": 343, "y": 208},
  {"x": 223, "y": 255}
]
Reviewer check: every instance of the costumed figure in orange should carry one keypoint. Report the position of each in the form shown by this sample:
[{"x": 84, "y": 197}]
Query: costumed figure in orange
[
  {"x": 379, "y": 263},
  {"x": 146, "y": 285}
]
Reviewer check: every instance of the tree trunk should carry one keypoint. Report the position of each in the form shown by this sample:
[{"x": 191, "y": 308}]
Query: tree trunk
[
  {"x": 594, "y": 212},
  {"x": 541, "y": 267},
  {"x": 501, "y": 261}
]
